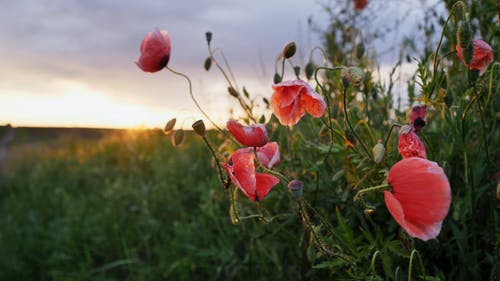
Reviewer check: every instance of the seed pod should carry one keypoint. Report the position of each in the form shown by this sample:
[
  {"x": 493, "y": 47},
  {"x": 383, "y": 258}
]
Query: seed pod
[
  {"x": 464, "y": 34},
  {"x": 296, "y": 70},
  {"x": 178, "y": 137},
  {"x": 355, "y": 75},
  {"x": 169, "y": 126},
  {"x": 289, "y": 50},
  {"x": 208, "y": 64},
  {"x": 199, "y": 127},
  {"x": 378, "y": 152}
]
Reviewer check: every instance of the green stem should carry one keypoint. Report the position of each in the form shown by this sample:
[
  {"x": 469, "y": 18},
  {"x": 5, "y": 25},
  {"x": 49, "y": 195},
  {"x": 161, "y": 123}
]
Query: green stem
[
  {"x": 194, "y": 99},
  {"x": 221, "y": 177},
  {"x": 346, "y": 114},
  {"x": 370, "y": 189},
  {"x": 389, "y": 134},
  {"x": 434, "y": 63}
]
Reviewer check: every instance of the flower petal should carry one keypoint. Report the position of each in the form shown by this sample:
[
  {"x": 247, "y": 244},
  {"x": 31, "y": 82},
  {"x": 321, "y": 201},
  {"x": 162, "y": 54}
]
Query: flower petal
[
  {"x": 313, "y": 102},
  {"x": 269, "y": 154},
  {"x": 264, "y": 184},
  {"x": 155, "y": 51},
  {"x": 482, "y": 56},
  {"x": 253, "y": 136},
  {"x": 409, "y": 144},
  {"x": 417, "y": 117},
  {"x": 423, "y": 192}
]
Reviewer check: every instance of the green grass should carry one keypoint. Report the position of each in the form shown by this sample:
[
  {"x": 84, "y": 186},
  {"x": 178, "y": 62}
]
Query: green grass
[{"x": 132, "y": 207}]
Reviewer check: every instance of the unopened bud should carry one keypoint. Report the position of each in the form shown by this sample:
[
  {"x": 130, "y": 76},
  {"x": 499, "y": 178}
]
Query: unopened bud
[
  {"x": 354, "y": 75},
  {"x": 289, "y": 50},
  {"x": 178, "y": 137},
  {"x": 208, "y": 63},
  {"x": 468, "y": 53},
  {"x": 296, "y": 187},
  {"x": 309, "y": 70},
  {"x": 378, "y": 152},
  {"x": 296, "y": 70},
  {"x": 276, "y": 78},
  {"x": 208, "y": 36},
  {"x": 266, "y": 101},
  {"x": 464, "y": 34},
  {"x": 169, "y": 126},
  {"x": 232, "y": 92},
  {"x": 199, "y": 127},
  {"x": 360, "y": 50}
]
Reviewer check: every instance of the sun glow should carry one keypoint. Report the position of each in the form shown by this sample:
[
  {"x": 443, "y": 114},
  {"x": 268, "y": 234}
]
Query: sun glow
[{"x": 73, "y": 104}]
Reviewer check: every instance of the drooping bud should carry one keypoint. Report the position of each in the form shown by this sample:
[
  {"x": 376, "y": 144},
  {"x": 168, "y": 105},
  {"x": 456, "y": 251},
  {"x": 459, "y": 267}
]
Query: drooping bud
[
  {"x": 309, "y": 70},
  {"x": 169, "y": 126},
  {"x": 208, "y": 64},
  {"x": 232, "y": 92},
  {"x": 296, "y": 187},
  {"x": 468, "y": 53},
  {"x": 354, "y": 75},
  {"x": 289, "y": 50},
  {"x": 378, "y": 152},
  {"x": 464, "y": 34},
  {"x": 199, "y": 127},
  {"x": 178, "y": 137},
  {"x": 296, "y": 70},
  {"x": 360, "y": 50},
  {"x": 208, "y": 36},
  {"x": 276, "y": 78},
  {"x": 266, "y": 101}
]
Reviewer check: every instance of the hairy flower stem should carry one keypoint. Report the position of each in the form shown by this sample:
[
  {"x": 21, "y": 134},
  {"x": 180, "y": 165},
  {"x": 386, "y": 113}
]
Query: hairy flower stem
[
  {"x": 370, "y": 189},
  {"x": 389, "y": 134},
  {"x": 346, "y": 114},
  {"x": 327, "y": 97},
  {"x": 410, "y": 266},
  {"x": 452, "y": 11},
  {"x": 195, "y": 101},
  {"x": 221, "y": 177},
  {"x": 242, "y": 103}
]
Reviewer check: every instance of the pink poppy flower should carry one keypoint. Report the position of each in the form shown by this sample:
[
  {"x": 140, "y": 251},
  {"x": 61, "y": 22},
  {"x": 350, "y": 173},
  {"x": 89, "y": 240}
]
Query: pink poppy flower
[
  {"x": 269, "y": 154},
  {"x": 155, "y": 51},
  {"x": 409, "y": 144},
  {"x": 417, "y": 117},
  {"x": 291, "y": 100},
  {"x": 253, "y": 136},
  {"x": 359, "y": 5},
  {"x": 482, "y": 57},
  {"x": 420, "y": 197},
  {"x": 241, "y": 170}
]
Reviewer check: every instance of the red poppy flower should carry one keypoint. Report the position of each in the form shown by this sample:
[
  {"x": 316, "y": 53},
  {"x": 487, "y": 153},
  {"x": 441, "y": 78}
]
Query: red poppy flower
[
  {"x": 360, "y": 4},
  {"x": 409, "y": 144},
  {"x": 241, "y": 170},
  {"x": 482, "y": 56},
  {"x": 269, "y": 154},
  {"x": 417, "y": 117},
  {"x": 155, "y": 51},
  {"x": 253, "y": 136},
  {"x": 291, "y": 100},
  {"x": 420, "y": 197}
]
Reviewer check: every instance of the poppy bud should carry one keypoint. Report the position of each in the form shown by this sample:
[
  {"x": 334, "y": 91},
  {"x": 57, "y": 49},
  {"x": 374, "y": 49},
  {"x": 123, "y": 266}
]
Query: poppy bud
[
  {"x": 354, "y": 75},
  {"x": 309, "y": 70},
  {"x": 468, "y": 53},
  {"x": 232, "y": 92},
  {"x": 276, "y": 78},
  {"x": 464, "y": 34},
  {"x": 266, "y": 101},
  {"x": 169, "y": 126},
  {"x": 178, "y": 137},
  {"x": 199, "y": 127},
  {"x": 360, "y": 50},
  {"x": 208, "y": 64},
  {"x": 289, "y": 50},
  {"x": 296, "y": 70},
  {"x": 296, "y": 187},
  {"x": 378, "y": 152},
  {"x": 208, "y": 36}
]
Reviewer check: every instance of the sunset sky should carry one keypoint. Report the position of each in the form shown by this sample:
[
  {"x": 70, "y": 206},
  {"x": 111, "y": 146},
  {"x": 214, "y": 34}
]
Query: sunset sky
[{"x": 71, "y": 63}]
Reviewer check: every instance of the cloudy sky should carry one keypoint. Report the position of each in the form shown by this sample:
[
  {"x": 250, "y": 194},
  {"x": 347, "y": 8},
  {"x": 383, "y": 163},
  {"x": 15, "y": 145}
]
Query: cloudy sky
[{"x": 71, "y": 62}]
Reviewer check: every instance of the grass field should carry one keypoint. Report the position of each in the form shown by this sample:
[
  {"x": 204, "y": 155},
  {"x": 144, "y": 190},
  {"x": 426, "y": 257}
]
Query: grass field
[{"x": 129, "y": 206}]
